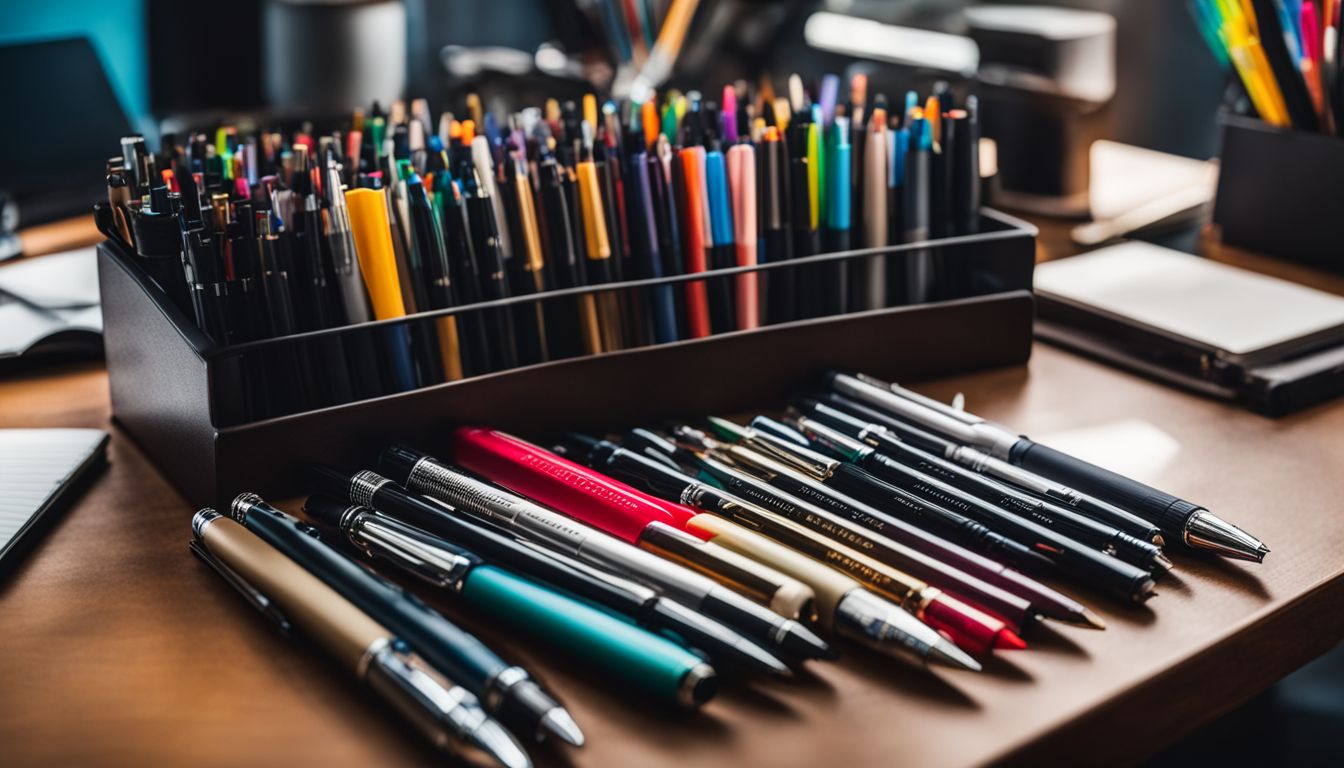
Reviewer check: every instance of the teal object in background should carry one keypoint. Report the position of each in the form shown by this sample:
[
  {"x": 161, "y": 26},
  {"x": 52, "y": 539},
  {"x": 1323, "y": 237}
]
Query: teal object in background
[
  {"x": 630, "y": 654},
  {"x": 116, "y": 27}
]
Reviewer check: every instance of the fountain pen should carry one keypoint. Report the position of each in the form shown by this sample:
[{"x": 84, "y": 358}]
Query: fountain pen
[
  {"x": 644, "y": 660},
  {"x": 1191, "y": 523},
  {"x": 529, "y": 520},
  {"x": 294, "y": 599},
  {"x": 508, "y": 692},
  {"x": 645, "y": 606}
]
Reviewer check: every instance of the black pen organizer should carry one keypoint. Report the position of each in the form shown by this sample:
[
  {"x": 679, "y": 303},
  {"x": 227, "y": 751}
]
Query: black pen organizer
[
  {"x": 218, "y": 420},
  {"x": 1280, "y": 191}
]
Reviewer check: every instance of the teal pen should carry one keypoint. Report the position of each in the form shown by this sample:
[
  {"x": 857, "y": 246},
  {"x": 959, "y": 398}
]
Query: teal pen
[
  {"x": 583, "y": 631},
  {"x": 837, "y": 212}
]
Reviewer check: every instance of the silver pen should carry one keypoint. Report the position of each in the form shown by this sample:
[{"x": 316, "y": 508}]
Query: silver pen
[{"x": 345, "y": 263}]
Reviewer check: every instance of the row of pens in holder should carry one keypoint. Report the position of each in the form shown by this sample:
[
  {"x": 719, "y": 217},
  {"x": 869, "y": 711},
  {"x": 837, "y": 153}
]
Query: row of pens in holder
[
  {"x": 263, "y": 234},
  {"x": 659, "y": 558}
]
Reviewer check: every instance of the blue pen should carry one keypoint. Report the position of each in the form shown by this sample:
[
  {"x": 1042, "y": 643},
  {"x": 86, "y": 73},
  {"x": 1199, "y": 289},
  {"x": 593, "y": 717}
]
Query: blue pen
[
  {"x": 837, "y": 211},
  {"x": 723, "y": 253},
  {"x": 644, "y": 240}
]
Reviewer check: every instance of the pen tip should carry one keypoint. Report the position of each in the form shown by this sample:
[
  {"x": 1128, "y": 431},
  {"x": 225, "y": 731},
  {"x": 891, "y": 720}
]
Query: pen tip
[
  {"x": 1092, "y": 620},
  {"x": 946, "y": 652},
  {"x": 1007, "y": 640},
  {"x": 800, "y": 642},
  {"x": 497, "y": 746},
  {"x": 559, "y": 723},
  {"x": 1163, "y": 562},
  {"x": 1261, "y": 552}
]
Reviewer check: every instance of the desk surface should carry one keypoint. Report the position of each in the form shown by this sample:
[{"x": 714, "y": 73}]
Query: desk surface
[{"x": 120, "y": 648}]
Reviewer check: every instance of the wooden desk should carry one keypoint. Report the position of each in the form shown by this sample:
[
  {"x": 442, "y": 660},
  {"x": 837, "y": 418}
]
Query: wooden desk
[{"x": 120, "y": 648}]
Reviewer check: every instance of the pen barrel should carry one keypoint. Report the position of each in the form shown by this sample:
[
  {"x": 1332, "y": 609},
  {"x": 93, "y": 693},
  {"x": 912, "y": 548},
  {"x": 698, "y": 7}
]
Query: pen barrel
[
  {"x": 647, "y": 661},
  {"x": 1165, "y": 510},
  {"x": 315, "y": 609}
]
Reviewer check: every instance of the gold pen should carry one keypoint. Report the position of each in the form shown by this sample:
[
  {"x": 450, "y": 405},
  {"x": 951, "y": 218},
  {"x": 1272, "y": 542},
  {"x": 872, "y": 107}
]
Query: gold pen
[{"x": 286, "y": 593}]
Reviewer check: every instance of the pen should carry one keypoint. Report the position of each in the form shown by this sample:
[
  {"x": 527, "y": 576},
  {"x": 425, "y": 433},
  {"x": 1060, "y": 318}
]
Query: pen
[
  {"x": 966, "y": 159},
  {"x": 644, "y": 606},
  {"x": 741, "y": 161},
  {"x": 915, "y": 214},
  {"x": 493, "y": 271},
  {"x": 693, "y": 242},
  {"x": 966, "y": 626},
  {"x": 554, "y": 530},
  {"x": 474, "y": 347},
  {"x": 723, "y": 251},
  {"x": 644, "y": 242},
  {"x": 598, "y": 267},
  {"x": 1190, "y": 523},
  {"x": 603, "y": 503},
  {"x": 373, "y": 245},
  {"x": 846, "y": 608},
  {"x": 778, "y": 489},
  {"x": 927, "y": 459},
  {"x": 871, "y": 289},
  {"x": 839, "y": 166},
  {"x": 982, "y": 463},
  {"x": 506, "y": 691},
  {"x": 777, "y": 246},
  {"x": 664, "y": 199},
  {"x": 448, "y": 715},
  {"x": 527, "y": 267},
  {"x": 647, "y": 661},
  {"x": 434, "y": 289},
  {"x": 976, "y": 578},
  {"x": 966, "y": 519}
]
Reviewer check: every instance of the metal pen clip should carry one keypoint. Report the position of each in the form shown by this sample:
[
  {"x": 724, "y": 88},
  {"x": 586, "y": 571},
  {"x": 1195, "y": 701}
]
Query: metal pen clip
[
  {"x": 411, "y": 549},
  {"x": 251, "y": 594}
]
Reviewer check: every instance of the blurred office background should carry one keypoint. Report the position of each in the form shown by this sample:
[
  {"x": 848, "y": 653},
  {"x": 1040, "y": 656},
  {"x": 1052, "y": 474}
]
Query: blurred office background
[{"x": 1168, "y": 91}]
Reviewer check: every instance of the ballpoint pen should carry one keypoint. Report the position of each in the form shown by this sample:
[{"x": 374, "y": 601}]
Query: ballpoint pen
[
  {"x": 839, "y": 167},
  {"x": 1190, "y": 523},
  {"x": 846, "y": 608},
  {"x": 474, "y": 347},
  {"x": 529, "y": 520},
  {"x": 494, "y": 272},
  {"x": 618, "y": 648},
  {"x": 920, "y": 498},
  {"x": 435, "y": 287},
  {"x": 606, "y": 504},
  {"x": 643, "y": 605},
  {"x": 982, "y": 463},
  {"x": 723, "y": 251},
  {"x": 692, "y": 227},
  {"x": 925, "y": 453},
  {"x": 448, "y": 715},
  {"x": 572, "y": 326},
  {"x": 915, "y": 213},
  {"x": 645, "y": 243},
  {"x": 663, "y": 198},
  {"x": 527, "y": 267},
  {"x": 741, "y": 161},
  {"x": 781, "y": 489},
  {"x": 598, "y": 266},
  {"x": 776, "y": 243},
  {"x": 966, "y": 154},
  {"x": 377, "y": 264},
  {"x": 870, "y": 289},
  {"x": 506, "y": 691},
  {"x": 966, "y": 626}
]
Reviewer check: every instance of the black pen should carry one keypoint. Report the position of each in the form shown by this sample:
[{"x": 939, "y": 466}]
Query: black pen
[
  {"x": 928, "y": 459},
  {"x": 915, "y": 216},
  {"x": 471, "y": 326},
  {"x": 868, "y": 476},
  {"x": 773, "y": 204},
  {"x": 528, "y": 266},
  {"x": 639, "y": 603},
  {"x": 507, "y": 691},
  {"x": 966, "y": 154},
  {"x": 564, "y": 331},
  {"x": 1190, "y": 523},
  {"x": 494, "y": 274},
  {"x": 433, "y": 279}
]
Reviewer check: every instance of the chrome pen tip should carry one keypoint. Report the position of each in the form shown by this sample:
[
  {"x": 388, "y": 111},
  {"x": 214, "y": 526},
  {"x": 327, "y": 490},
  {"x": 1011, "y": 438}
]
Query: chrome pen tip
[
  {"x": 1261, "y": 552},
  {"x": 496, "y": 747},
  {"x": 800, "y": 642},
  {"x": 558, "y": 722},
  {"x": 946, "y": 652}
]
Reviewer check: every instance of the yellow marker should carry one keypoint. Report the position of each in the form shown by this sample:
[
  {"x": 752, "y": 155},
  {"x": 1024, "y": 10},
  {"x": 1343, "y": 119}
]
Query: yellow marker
[
  {"x": 373, "y": 246},
  {"x": 590, "y": 110},
  {"x": 599, "y": 254}
]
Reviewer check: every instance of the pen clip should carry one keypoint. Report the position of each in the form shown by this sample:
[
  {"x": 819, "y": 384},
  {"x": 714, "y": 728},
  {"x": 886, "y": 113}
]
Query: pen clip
[
  {"x": 410, "y": 549},
  {"x": 251, "y": 594}
]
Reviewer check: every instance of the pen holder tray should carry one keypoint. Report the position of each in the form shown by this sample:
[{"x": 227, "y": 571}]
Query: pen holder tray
[
  {"x": 218, "y": 420},
  {"x": 1279, "y": 193}
]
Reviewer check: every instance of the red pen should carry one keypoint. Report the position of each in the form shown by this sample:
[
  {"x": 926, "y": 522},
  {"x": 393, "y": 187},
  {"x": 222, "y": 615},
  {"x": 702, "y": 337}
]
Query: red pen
[
  {"x": 693, "y": 243},
  {"x": 625, "y": 512}
]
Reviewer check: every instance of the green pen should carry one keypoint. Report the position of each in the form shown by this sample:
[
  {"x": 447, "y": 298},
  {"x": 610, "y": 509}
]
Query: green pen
[{"x": 582, "y": 630}]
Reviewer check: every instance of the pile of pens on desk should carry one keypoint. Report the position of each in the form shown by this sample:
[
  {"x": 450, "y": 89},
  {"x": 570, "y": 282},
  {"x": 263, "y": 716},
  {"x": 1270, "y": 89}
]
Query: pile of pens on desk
[
  {"x": 258, "y": 234},
  {"x": 866, "y": 514}
]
